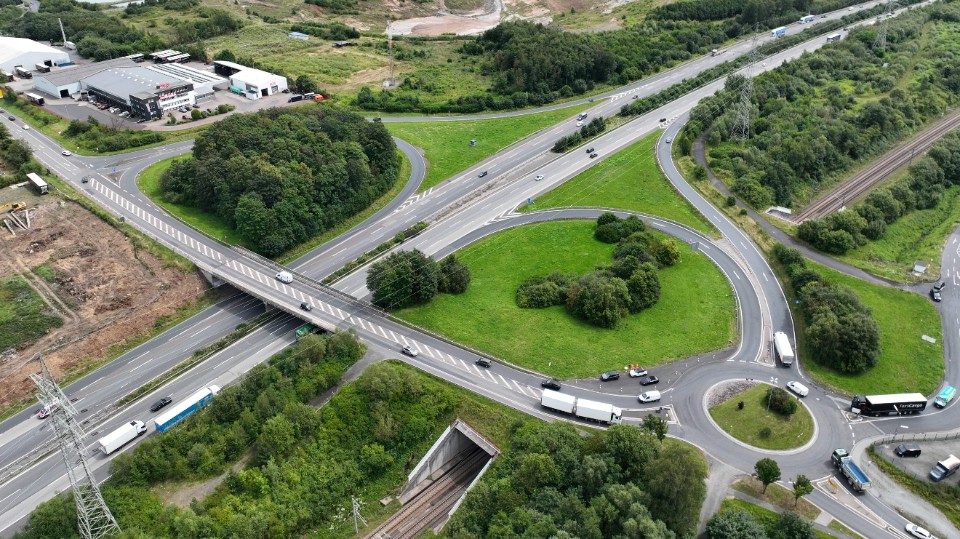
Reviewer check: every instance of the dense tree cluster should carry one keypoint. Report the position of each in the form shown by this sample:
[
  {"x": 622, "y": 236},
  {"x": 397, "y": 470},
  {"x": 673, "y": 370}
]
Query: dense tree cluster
[
  {"x": 92, "y": 134},
  {"x": 818, "y": 116},
  {"x": 605, "y": 297},
  {"x": 740, "y": 524},
  {"x": 553, "y": 482},
  {"x": 17, "y": 156},
  {"x": 408, "y": 278},
  {"x": 841, "y": 331},
  {"x": 282, "y": 176},
  {"x": 780, "y": 401},
  {"x": 922, "y": 189}
]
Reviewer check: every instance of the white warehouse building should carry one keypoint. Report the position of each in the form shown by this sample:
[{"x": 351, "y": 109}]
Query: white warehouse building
[
  {"x": 249, "y": 82},
  {"x": 26, "y": 53}
]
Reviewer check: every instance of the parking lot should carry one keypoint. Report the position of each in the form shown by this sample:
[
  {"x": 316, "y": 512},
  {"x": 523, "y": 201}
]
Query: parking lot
[{"x": 919, "y": 467}]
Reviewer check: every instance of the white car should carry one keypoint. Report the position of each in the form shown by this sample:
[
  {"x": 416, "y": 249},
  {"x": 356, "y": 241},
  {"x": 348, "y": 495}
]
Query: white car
[
  {"x": 410, "y": 351},
  {"x": 66, "y": 153},
  {"x": 798, "y": 388},
  {"x": 285, "y": 277},
  {"x": 25, "y": 127},
  {"x": 580, "y": 124},
  {"x": 637, "y": 373},
  {"x": 539, "y": 177},
  {"x": 917, "y": 531},
  {"x": 649, "y": 396}
]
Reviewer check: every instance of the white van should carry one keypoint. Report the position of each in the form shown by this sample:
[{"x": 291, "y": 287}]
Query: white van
[
  {"x": 285, "y": 277},
  {"x": 649, "y": 396},
  {"x": 798, "y": 388}
]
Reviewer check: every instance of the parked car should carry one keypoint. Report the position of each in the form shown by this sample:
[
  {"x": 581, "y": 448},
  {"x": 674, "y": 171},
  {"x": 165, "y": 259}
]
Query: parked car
[
  {"x": 160, "y": 404},
  {"x": 483, "y": 362},
  {"x": 609, "y": 376},
  {"x": 306, "y": 306},
  {"x": 410, "y": 351},
  {"x": 550, "y": 383},
  {"x": 798, "y": 388},
  {"x": 907, "y": 450},
  {"x": 649, "y": 396},
  {"x": 637, "y": 373},
  {"x": 649, "y": 380},
  {"x": 935, "y": 295}
]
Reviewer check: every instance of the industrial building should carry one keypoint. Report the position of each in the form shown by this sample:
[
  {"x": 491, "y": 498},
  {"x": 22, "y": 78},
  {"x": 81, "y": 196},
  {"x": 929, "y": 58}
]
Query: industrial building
[
  {"x": 249, "y": 82},
  {"x": 144, "y": 92},
  {"x": 66, "y": 82},
  {"x": 204, "y": 82},
  {"x": 27, "y": 54}
]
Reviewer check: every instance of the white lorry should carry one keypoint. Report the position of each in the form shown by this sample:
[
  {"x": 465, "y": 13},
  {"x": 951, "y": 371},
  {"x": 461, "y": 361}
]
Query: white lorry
[
  {"x": 118, "y": 438},
  {"x": 586, "y": 409},
  {"x": 781, "y": 344}
]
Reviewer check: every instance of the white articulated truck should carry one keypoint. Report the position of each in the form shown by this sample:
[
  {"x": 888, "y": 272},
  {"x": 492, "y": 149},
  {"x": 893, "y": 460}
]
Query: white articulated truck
[
  {"x": 781, "y": 345},
  {"x": 118, "y": 438},
  {"x": 586, "y": 409}
]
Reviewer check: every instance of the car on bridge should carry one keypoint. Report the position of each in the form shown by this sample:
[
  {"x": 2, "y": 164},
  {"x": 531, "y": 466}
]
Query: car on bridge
[
  {"x": 306, "y": 306},
  {"x": 285, "y": 277},
  {"x": 410, "y": 351}
]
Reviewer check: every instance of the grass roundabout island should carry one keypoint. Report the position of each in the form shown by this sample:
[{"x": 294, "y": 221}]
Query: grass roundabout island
[
  {"x": 757, "y": 423},
  {"x": 695, "y": 312}
]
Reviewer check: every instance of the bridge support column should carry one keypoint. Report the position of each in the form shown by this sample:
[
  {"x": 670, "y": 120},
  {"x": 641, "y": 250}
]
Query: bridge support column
[{"x": 214, "y": 280}]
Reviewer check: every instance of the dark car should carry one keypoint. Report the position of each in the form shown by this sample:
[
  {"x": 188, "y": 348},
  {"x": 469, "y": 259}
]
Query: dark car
[
  {"x": 483, "y": 362},
  {"x": 12, "y": 118},
  {"x": 609, "y": 376},
  {"x": 85, "y": 179},
  {"x": 160, "y": 404},
  {"x": 939, "y": 285},
  {"x": 590, "y": 149},
  {"x": 907, "y": 450},
  {"x": 482, "y": 174},
  {"x": 550, "y": 383},
  {"x": 935, "y": 295},
  {"x": 306, "y": 306},
  {"x": 593, "y": 155},
  {"x": 649, "y": 380}
]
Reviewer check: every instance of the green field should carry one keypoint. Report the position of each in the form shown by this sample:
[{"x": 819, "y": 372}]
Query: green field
[
  {"x": 23, "y": 314},
  {"x": 919, "y": 235},
  {"x": 629, "y": 180},
  {"x": 787, "y": 432},
  {"x": 906, "y": 362},
  {"x": 446, "y": 145},
  {"x": 696, "y": 312}
]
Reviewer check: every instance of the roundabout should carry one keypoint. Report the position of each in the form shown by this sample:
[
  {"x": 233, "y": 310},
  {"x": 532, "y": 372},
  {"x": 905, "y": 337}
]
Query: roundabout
[{"x": 741, "y": 410}]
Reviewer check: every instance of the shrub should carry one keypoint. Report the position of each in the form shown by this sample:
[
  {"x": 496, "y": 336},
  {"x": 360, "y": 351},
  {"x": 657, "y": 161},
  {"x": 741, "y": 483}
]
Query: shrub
[{"x": 780, "y": 401}]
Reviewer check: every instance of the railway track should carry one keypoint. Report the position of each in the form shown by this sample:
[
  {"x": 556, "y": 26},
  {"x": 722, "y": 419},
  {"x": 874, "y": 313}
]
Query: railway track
[
  {"x": 433, "y": 504},
  {"x": 877, "y": 172}
]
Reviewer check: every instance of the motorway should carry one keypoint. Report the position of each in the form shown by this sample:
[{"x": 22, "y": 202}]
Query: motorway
[{"x": 460, "y": 210}]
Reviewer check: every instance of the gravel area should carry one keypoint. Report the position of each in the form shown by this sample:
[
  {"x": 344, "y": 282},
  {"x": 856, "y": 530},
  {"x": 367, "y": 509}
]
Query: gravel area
[{"x": 724, "y": 391}]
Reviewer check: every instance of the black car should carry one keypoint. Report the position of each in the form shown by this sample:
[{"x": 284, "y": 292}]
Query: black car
[
  {"x": 160, "y": 404},
  {"x": 12, "y": 118},
  {"x": 907, "y": 450},
  {"x": 306, "y": 306},
  {"x": 590, "y": 149},
  {"x": 550, "y": 383},
  {"x": 482, "y": 174},
  {"x": 609, "y": 376},
  {"x": 935, "y": 295},
  {"x": 593, "y": 155},
  {"x": 649, "y": 380},
  {"x": 483, "y": 362},
  {"x": 85, "y": 179}
]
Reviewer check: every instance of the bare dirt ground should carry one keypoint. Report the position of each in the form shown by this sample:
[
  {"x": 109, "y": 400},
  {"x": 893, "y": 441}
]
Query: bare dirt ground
[
  {"x": 444, "y": 22},
  {"x": 104, "y": 291}
]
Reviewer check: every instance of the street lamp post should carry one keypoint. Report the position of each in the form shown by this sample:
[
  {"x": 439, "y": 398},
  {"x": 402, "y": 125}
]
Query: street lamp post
[{"x": 896, "y": 430}]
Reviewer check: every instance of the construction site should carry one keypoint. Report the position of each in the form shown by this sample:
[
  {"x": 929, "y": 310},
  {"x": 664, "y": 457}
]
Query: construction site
[{"x": 74, "y": 287}]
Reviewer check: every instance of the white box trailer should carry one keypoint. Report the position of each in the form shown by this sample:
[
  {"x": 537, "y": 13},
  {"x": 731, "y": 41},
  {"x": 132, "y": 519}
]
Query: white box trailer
[
  {"x": 118, "y": 438},
  {"x": 781, "y": 345},
  {"x": 558, "y": 401},
  {"x": 598, "y": 411}
]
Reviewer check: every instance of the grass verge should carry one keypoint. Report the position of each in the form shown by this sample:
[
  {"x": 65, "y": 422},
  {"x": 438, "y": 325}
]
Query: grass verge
[
  {"x": 446, "y": 145},
  {"x": 764, "y": 517},
  {"x": 786, "y": 432},
  {"x": 907, "y": 363},
  {"x": 943, "y": 496},
  {"x": 629, "y": 180},
  {"x": 839, "y": 526},
  {"x": 23, "y": 314},
  {"x": 777, "y": 495},
  {"x": 695, "y": 314}
]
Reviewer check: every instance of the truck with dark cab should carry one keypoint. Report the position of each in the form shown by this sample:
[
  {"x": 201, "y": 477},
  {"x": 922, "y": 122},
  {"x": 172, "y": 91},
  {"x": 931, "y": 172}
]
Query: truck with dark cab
[
  {"x": 854, "y": 475},
  {"x": 894, "y": 404}
]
